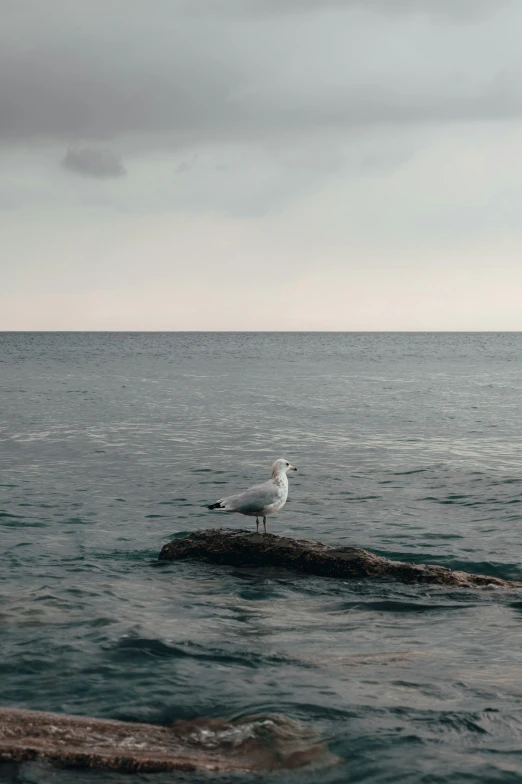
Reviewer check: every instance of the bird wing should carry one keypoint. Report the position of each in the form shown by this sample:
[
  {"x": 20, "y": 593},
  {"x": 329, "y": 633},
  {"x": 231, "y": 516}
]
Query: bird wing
[{"x": 253, "y": 500}]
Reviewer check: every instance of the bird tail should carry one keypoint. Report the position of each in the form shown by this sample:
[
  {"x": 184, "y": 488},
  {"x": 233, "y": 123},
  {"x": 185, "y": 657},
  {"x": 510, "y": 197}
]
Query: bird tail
[{"x": 219, "y": 505}]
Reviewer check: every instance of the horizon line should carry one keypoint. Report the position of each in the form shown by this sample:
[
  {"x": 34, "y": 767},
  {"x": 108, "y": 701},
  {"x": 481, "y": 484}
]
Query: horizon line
[{"x": 263, "y": 331}]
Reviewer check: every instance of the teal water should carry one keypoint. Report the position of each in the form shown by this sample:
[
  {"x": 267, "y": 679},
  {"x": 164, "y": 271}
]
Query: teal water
[{"x": 408, "y": 444}]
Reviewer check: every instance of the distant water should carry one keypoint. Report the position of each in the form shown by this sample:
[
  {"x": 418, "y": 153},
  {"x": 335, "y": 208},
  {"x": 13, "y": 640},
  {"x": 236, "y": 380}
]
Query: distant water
[{"x": 408, "y": 444}]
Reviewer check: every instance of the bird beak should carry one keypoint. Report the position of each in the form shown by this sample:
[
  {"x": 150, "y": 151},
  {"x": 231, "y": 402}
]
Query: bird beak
[{"x": 292, "y": 468}]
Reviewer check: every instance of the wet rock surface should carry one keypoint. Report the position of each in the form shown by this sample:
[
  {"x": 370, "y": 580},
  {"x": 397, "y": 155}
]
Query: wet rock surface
[
  {"x": 246, "y": 745},
  {"x": 243, "y": 548}
]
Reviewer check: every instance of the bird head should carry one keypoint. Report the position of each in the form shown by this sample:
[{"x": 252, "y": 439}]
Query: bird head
[{"x": 282, "y": 466}]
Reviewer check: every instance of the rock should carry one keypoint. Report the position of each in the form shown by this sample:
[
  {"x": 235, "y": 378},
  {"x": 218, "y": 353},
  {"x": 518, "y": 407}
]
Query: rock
[
  {"x": 244, "y": 548},
  {"x": 246, "y": 745}
]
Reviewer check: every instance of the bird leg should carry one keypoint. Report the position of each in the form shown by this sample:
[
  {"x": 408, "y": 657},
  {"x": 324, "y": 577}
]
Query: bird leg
[
  {"x": 264, "y": 523},
  {"x": 257, "y": 525}
]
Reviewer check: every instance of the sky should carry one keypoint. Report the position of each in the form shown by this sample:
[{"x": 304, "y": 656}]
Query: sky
[{"x": 260, "y": 165}]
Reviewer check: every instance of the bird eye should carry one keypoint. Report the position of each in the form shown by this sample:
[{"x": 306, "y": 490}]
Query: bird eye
[{"x": 288, "y": 463}]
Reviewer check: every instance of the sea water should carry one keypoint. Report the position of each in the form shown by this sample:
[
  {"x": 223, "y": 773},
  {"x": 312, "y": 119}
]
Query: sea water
[{"x": 410, "y": 445}]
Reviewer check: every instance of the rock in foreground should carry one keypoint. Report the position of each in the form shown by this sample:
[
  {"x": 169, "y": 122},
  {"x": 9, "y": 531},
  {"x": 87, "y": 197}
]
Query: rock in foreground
[
  {"x": 243, "y": 548},
  {"x": 247, "y": 745}
]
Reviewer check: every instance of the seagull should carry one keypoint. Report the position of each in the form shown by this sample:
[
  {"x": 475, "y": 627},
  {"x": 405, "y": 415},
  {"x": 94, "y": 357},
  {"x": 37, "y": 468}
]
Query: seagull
[{"x": 260, "y": 500}]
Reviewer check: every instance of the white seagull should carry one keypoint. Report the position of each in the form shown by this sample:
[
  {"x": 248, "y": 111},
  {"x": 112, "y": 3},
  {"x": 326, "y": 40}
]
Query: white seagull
[{"x": 260, "y": 500}]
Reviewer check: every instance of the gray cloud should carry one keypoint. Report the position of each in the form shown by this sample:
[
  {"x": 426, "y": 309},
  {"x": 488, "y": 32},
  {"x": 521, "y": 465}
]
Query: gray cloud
[
  {"x": 453, "y": 9},
  {"x": 56, "y": 92},
  {"x": 93, "y": 162},
  {"x": 239, "y": 68}
]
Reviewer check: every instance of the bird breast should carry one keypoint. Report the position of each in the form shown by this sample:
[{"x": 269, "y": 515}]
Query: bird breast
[
  {"x": 281, "y": 480},
  {"x": 283, "y": 493}
]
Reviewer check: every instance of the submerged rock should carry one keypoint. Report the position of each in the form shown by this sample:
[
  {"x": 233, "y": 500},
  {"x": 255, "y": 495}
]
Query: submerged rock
[
  {"x": 250, "y": 744},
  {"x": 243, "y": 548}
]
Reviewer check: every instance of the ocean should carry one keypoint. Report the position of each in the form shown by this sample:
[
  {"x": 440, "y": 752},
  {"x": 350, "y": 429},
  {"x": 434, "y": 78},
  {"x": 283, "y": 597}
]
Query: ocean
[{"x": 407, "y": 444}]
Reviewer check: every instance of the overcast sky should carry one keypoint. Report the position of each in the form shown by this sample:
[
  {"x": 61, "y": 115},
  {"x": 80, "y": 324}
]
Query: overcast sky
[{"x": 261, "y": 164}]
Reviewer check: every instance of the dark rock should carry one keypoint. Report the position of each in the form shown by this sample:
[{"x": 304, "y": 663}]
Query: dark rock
[
  {"x": 246, "y": 745},
  {"x": 243, "y": 548}
]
